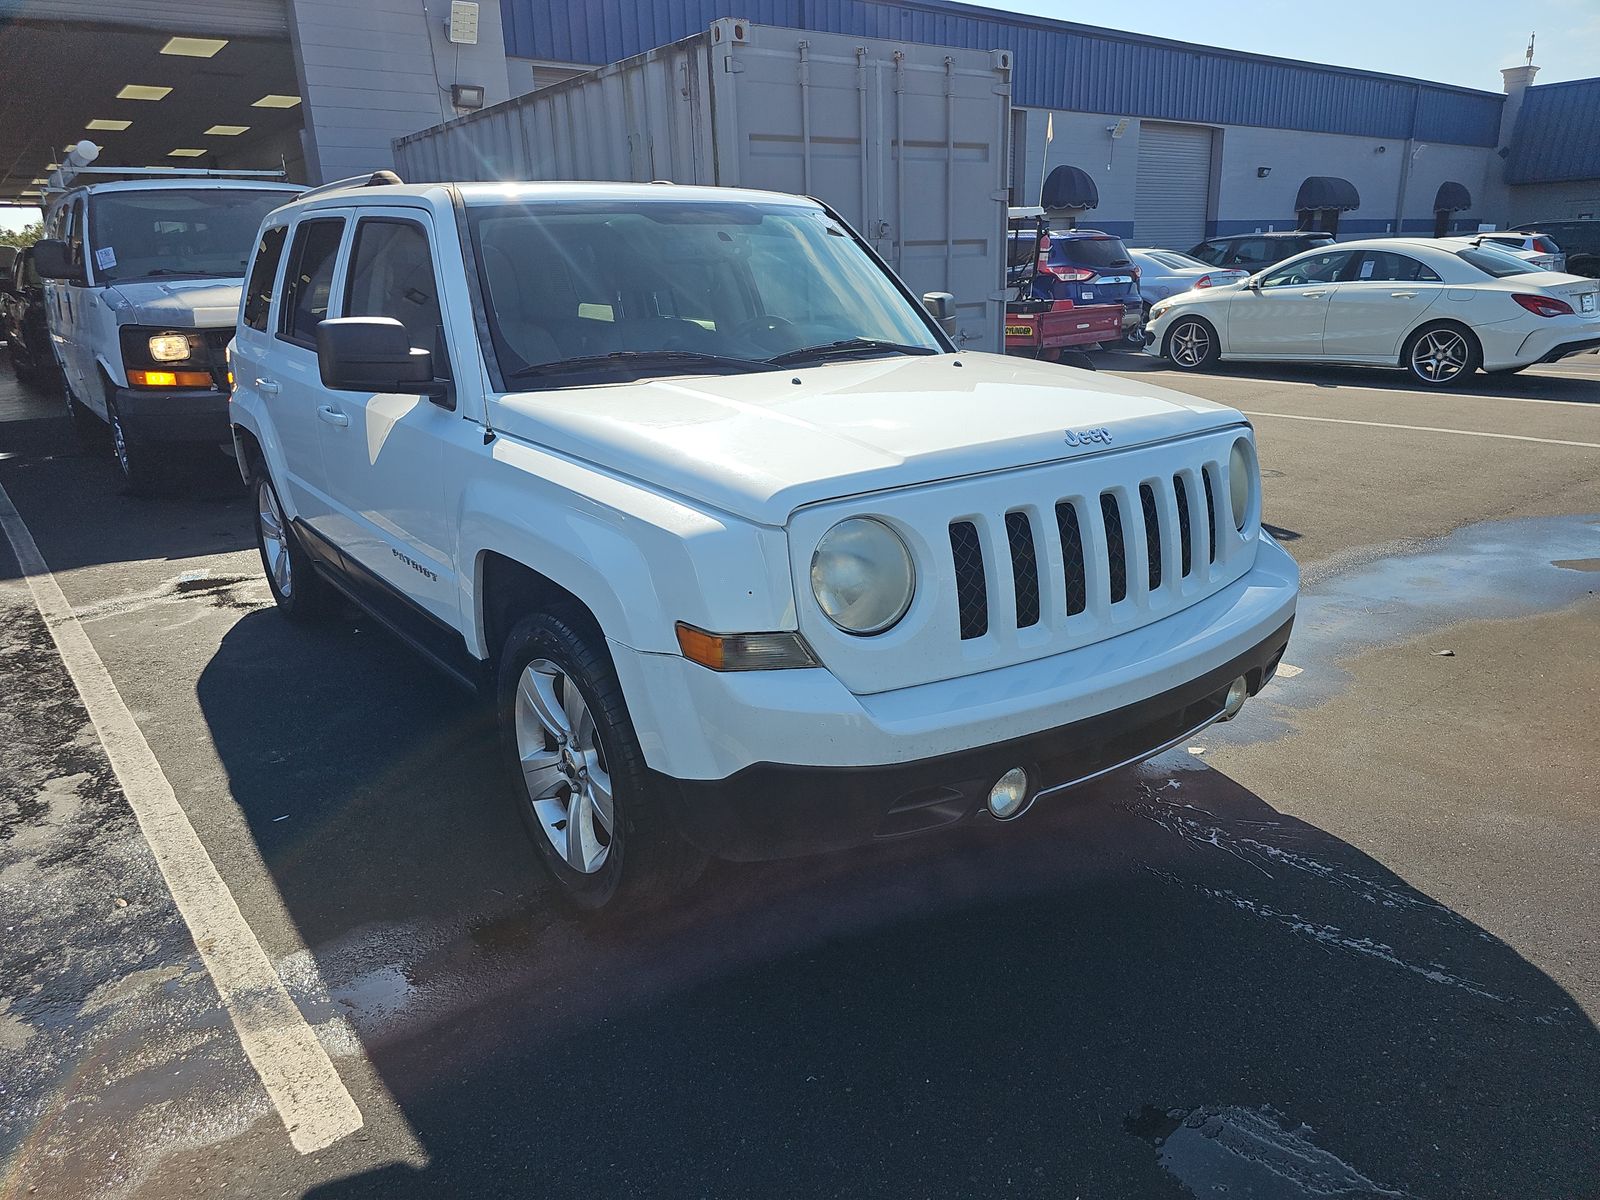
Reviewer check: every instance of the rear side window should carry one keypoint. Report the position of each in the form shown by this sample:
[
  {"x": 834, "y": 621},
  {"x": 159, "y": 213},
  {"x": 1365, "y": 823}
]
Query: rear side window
[
  {"x": 1248, "y": 251},
  {"x": 1545, "y": 246},
  {"x": 391, "y": 275},
  {"x": 308, "y": 283},
  {"x": 1384, "y": 266},
  {"x": 263, "y": 274},
  {"x": 1208, "y": 252},
  {"x": 1088, "y": 252}
]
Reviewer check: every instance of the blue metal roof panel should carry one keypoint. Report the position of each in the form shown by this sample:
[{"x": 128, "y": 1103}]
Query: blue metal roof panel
[
  {"x": 1558, "y": 134},
  {"x": 1059, "y": 64}
]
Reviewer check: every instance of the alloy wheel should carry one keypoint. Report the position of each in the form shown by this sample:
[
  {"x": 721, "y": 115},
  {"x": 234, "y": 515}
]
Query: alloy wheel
[
  {"x": 1440, "y": 356},
  {"x": 274, "y": 538},
  {"x": 1190, "y": 344},
  {"x": 564, "y": 767}
]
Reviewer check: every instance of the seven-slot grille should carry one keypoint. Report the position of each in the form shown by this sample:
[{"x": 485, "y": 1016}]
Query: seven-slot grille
[{"x": 1156, "y": 516}]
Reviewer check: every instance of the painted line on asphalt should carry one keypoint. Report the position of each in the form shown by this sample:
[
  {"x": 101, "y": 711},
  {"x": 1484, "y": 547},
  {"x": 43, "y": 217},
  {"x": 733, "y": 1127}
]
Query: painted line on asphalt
[
  {"x": 1510, "y": 437},
  {"x": 296, "y": 1071}
]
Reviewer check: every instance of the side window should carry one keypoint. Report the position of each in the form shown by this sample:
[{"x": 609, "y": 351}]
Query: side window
[
  {"x": 308, "y": 283},
  {"x": 1208, "y": 252},
  {"x": 1248, "y": 251},
  {"x": 263, "y": 273},
  {"x": 391, "y": 275},
  {"x": 75, "y": 232},
  {"x": 1384, "y": 266},
  {"x": 1315, "y": 268}
]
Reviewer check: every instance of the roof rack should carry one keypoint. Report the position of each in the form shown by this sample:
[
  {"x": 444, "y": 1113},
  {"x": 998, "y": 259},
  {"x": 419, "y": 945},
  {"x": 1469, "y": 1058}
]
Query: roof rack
[
  {"x": 77, "y": 164},
  {"x": 374, "y": 179}
]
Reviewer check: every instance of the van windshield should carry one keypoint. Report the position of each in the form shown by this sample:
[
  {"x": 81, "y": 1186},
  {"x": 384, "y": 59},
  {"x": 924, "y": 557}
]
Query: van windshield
[
  {"x": 198, "y": 233},
  {"x": 640, "y": 288}
]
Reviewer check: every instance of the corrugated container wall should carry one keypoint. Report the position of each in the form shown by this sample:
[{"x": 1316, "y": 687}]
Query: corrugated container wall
[
  {"x": 1059, "y": 64},
  {"x": 907, "y": 142}
]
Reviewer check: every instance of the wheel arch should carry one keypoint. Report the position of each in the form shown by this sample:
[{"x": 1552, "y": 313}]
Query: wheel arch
[
  {"x": 1172, "y": 327},
  {"x": 1438, "y": 323}
]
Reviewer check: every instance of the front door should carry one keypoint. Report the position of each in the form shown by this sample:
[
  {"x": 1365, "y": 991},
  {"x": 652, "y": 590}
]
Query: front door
[
  {"x": 384, "y": 452},
  {"x": 1284, "y": 317},
  {"x": 70, "y": 311},
  {"x": 1380, "y": 299}
]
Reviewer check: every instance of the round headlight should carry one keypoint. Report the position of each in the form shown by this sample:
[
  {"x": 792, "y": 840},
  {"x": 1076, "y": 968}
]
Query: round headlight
[
  {"x": 1241, "y": 478},
  {"x": 861, "y": 575},
  {"x": 169, "y": 347}
]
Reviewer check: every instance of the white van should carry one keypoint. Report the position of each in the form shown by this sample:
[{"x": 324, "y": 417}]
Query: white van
[{"x": 142, "y": 284}]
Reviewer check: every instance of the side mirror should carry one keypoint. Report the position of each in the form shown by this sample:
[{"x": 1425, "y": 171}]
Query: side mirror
[
  {"x": 941, "y": 307},
  {"x": 53, "y": 260},
  {"x": 1253, "y": 283},
  {"x": 374, "y": 354}
]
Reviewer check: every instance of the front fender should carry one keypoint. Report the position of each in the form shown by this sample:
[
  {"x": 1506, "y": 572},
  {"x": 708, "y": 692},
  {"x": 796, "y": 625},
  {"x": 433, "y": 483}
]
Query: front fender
[{"x": 639, "y": 560}]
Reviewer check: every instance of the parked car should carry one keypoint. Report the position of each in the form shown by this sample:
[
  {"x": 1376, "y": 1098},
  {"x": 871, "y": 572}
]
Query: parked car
[
  {"x": 1431, "y": 307},
  {"x": 1088, "y": 267},
  {"x": 22, "y": 320},
  {"x": 1536, "y": 248},
  {"x": 1578, "y": 240},
  {"x": 1164, "y": 273},
  {"x": 1253, "y": 251},
  {"x": 752, "y": 561},
  {"x": 142, "y": 280}
]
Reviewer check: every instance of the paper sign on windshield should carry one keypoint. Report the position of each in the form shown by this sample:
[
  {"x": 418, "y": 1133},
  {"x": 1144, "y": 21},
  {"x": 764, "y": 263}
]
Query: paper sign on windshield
[{"x": 105, "y": 258}]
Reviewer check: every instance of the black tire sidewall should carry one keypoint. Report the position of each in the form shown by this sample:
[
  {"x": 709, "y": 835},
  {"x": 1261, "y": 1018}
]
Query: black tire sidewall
[{"x": 308, "y": 595}]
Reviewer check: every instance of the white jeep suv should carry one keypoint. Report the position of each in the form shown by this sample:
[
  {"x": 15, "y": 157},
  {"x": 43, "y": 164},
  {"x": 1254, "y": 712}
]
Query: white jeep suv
[{"x": 753, "y": 562}]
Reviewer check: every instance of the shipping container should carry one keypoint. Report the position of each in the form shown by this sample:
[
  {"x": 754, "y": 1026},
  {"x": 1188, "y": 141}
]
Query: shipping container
[{"x": 906, "y": 141}]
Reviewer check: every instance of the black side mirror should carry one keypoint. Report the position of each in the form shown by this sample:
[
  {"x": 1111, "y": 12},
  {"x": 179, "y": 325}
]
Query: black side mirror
[
  {"x": 53, "y": 260},
  {"x": 374, "y": 354},
  {"x": 941, "y": 306}
]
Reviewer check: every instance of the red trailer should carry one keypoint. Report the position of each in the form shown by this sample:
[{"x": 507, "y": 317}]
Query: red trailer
[{"x": 1050, "y": 329}]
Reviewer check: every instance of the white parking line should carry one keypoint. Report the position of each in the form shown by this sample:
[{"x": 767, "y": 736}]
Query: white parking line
[
  {"x": 294, "y": 1068},
  {"x": 1512, "y": 437}
]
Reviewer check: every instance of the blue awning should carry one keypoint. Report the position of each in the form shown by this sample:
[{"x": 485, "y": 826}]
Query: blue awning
[
  {"x": 1070, "y": 187},
  {"x": 1321, "y": 192},
  {"x": 1452, "y": 197}
]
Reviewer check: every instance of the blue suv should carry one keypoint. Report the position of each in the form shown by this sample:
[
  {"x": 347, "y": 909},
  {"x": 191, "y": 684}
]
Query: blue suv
[{"x": 1087, "y": 267}]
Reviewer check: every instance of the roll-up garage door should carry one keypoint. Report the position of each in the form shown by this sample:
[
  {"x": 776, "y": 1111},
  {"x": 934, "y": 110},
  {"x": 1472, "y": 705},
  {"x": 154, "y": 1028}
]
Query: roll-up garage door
[{"x": 1174, "y": 185}]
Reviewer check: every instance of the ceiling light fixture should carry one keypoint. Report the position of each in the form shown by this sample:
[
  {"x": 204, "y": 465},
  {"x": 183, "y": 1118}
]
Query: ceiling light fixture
[
  {"x": 228, "y": 130},
  {"x": 141, "y": 91},
  {"x": 185, "y": 153},
  {"x": 190, "y": 47},
  {"x": 275, "y": 101},
  {"x": 100, "y": 123}
]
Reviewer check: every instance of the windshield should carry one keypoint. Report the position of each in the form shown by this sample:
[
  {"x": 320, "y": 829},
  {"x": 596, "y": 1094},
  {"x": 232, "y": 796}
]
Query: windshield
[
  {"x": 1492, "y": 260},
  {"x": 1088, "y": 252},
  {"x": 688, "y": 283},
  {"x": 176, "y": 231}
]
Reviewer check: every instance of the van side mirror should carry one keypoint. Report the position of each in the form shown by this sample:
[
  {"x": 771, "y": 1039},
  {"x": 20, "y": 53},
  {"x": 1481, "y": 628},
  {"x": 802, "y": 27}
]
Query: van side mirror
[
  {"x": 53, "y": 260},
  {"x": 374, "y": 354},
  {"x": 941, "y": 307}
]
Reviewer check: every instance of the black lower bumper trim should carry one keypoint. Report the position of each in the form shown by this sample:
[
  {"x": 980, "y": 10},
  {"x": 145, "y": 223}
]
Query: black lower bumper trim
[
  {"x": 772, "y": 810},
  {"x": 150, "y": 415},
  {"x": 1568, "y": 349}
]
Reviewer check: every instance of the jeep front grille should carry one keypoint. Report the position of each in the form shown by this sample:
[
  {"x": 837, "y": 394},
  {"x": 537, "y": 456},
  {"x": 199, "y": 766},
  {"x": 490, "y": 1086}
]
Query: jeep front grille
[{"x": 972, "y": 592}]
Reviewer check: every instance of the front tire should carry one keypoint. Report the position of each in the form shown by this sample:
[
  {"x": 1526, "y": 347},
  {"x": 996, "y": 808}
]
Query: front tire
[
  {"x": 142, "y": 465},
  {"x": 578, "y": 777},
  {"x": 299, "y": 592},
  {"x": 1192, "y": 344},
  {"x": 1441, "y": 355}
]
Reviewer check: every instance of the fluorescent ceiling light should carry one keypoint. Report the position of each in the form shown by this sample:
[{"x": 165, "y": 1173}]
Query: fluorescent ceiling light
[
  {"x": 276, "y": 102},
  {"x": 228, "y": 130},
  {"x": 194, "y": 47},
  {"x": 99, "y": 123},
  {"x": 140, "y": 91},
  {"x": 185, "y": 153},
  {"x": 40, "y": 180}
]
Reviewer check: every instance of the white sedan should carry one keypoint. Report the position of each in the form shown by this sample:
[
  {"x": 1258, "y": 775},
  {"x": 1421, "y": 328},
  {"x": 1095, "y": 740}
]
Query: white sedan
[{"x": 1436, "y": 309}]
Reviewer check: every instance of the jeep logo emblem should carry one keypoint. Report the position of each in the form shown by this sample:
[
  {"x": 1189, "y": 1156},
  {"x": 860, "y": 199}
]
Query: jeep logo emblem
[{"x": 1085, "y": 437}]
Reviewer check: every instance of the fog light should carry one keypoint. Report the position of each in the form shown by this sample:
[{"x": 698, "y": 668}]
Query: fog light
[
  {"x": 1238, "y": 693},
  {"x": 1009, "y": 794}
]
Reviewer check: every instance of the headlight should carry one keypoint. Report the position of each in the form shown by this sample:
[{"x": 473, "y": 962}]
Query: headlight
[
  {"x": 862, "y": 576},
  {"x": 169, "y": 347},
  {"x": 1241, "y": 480},
  {"x": 1157, "y": 309}
]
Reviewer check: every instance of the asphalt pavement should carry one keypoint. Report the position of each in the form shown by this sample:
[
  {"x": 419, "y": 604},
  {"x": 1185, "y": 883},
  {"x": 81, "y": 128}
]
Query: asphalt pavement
[{"x": 1344, "y": 946}]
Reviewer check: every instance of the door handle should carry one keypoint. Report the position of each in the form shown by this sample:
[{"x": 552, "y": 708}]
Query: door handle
[
  {"x": 1315, "y": 294},
  {"x": 332, "y": 416},
  {"x": 267, "y": 387},
  {"x": 1403, "y": 295}
]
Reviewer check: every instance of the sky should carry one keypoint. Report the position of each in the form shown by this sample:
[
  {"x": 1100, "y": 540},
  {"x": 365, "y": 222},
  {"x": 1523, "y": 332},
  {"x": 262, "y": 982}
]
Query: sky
[{"x": 1464, "y": 42}]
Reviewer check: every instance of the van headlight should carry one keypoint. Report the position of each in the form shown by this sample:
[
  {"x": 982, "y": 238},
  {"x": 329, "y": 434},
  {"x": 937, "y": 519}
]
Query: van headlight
[
  {"x": 862, "y": 576},
  {"x": 169, "y": 347},
  {"x": 1241, "y": 480}
]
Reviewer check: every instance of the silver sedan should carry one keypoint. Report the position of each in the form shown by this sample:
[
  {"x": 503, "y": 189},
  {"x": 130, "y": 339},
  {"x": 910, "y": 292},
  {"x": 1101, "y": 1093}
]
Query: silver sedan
[{"x": 1164, "y": 273}]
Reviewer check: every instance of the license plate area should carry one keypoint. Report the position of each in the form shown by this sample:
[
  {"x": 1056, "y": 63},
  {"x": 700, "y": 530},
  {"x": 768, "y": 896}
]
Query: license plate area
[{"x": 1586, "y": 302}]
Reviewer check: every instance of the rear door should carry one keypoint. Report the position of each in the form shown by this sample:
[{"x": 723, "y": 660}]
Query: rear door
[
  {"x": 1286, "y": 315},
  {"x": 71, "y": 301},
  {"x": 1380, "y": 298}
]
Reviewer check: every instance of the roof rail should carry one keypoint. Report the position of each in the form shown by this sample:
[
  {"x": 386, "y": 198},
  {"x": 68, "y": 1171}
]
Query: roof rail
[
  {"x": 375, "y": 179},
  {"x": 76, "y": 164}
]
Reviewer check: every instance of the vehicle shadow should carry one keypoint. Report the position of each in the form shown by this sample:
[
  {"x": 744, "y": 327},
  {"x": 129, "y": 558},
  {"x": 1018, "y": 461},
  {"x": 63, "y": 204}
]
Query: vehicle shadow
[{"x": 1155, "y": 983}]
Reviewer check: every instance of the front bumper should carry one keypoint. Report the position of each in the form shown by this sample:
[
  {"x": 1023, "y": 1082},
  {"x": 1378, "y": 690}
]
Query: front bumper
[{"x": 154, "y": 415}]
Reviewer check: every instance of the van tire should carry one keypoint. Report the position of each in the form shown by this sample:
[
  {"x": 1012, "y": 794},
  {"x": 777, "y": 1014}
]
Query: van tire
[
  {"x": 644, "y": 860},
  {"x": 141, "y": 464}
]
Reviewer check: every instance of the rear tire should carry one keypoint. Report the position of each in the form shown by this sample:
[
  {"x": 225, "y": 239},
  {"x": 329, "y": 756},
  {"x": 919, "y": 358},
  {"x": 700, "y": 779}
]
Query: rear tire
[
  {"x": 1191, "y": 344},
  {"x": 571, "y": 753},
  {"x": 1441, "y": 355},
  {"x": 300, "y": 593}
]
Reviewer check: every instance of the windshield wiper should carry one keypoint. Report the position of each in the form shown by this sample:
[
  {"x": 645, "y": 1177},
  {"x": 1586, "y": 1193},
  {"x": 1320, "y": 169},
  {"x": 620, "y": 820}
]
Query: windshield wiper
[
  {"x": 844, "y": 348},
  {"x": 193, "y": 274},
  {"x": 636, "y": 358}
]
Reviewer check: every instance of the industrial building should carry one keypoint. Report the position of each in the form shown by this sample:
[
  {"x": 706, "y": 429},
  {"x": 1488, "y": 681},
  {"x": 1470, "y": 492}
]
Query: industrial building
[{"x": 1181, "y": 141}]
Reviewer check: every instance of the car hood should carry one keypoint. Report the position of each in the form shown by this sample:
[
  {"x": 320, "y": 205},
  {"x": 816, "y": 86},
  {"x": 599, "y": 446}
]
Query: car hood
[
  {"x": 762, "y": 445},
  {"x": 178, "y": 303}
]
